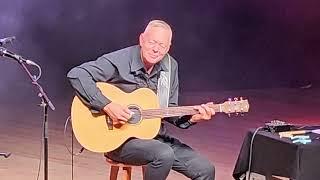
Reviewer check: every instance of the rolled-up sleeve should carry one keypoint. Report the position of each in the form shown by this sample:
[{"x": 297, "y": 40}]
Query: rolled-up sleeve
[{"x": 83, "y": 79}]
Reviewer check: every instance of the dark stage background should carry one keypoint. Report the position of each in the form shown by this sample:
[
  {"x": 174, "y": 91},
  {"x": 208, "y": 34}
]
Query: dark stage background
[{"x": 220, "y": 44}]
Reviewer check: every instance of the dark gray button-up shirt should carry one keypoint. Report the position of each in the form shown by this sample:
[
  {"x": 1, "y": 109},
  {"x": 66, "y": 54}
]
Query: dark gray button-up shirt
[{"x": 124, "y": 69}]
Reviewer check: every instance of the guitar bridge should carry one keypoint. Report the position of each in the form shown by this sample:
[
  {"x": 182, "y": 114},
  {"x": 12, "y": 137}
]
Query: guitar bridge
[{"x": 109, "y": 122}]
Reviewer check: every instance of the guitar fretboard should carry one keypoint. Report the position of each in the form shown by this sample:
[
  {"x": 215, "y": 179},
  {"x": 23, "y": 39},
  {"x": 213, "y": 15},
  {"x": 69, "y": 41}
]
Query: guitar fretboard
[{"x": 174, "y": 111}]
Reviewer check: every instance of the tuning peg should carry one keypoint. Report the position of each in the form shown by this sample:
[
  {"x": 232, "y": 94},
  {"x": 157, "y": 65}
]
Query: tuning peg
[
  {"x": 229, "y": 114},
  {"x": 235, "y": 99},
  {"x": 229, "y": 99},
  {"x": 241, "y": 98}
]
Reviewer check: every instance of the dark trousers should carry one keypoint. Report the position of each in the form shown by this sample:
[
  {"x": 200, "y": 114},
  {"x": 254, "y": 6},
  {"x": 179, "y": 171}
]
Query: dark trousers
[{"x": 161, "y": 156}]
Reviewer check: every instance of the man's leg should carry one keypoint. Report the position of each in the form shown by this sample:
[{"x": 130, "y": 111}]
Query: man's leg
[
  {"x": 191, "y": 163},
  {"x": 158, "y": 157}
]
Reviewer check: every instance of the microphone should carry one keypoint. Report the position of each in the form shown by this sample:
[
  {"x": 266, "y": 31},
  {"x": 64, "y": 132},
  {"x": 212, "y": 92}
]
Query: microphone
[
  {"x": 7, "y": 40},
  {"x": 5, "y": 53}
]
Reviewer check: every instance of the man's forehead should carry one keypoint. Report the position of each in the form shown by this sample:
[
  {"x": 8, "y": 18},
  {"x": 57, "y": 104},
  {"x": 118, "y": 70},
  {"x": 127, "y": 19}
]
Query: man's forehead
[{"x": 158, "y": 33}]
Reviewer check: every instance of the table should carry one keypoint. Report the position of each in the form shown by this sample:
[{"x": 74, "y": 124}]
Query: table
[{"x": 272, "y": 155}]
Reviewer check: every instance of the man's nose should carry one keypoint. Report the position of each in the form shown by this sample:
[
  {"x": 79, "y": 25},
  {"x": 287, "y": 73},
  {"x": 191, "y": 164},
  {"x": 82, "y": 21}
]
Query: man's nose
[{"x": 155, "y": 50}]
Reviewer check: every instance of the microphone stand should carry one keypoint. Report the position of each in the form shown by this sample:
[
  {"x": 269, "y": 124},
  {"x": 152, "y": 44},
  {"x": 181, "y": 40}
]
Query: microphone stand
[{"x": 45, "y": 101}]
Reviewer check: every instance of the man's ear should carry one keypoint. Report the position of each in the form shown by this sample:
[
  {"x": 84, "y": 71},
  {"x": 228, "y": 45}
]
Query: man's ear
[
  {"x": 168, "y": 48},
  {"x": 141, "y": 39}
]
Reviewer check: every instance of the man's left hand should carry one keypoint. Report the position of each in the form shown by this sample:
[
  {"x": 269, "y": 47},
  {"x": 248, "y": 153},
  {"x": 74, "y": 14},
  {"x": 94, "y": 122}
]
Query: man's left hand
[{"x": 205, "y": 113}]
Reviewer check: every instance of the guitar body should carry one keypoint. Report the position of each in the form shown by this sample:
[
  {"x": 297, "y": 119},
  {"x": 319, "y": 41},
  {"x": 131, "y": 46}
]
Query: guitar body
[
  {"x": 92, "y": 131},
  {"x": 96, "y": 133}
]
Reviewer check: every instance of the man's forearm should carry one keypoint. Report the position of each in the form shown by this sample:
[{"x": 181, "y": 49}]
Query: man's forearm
[{"x": 87, "y": 89}]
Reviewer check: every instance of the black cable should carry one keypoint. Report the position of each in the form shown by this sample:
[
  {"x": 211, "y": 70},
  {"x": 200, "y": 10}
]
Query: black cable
[
  {"x": 65, "y": 144},
  {"x": 250, "y": 150},
  {"x": 72, "y": 146}
]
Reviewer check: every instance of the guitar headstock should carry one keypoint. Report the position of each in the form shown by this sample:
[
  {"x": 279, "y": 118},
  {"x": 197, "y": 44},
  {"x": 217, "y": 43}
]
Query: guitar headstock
[{"x": 235, "y": 105}]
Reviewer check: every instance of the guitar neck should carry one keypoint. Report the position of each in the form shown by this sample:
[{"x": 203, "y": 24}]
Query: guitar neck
[{"x": 174, "y": 111}]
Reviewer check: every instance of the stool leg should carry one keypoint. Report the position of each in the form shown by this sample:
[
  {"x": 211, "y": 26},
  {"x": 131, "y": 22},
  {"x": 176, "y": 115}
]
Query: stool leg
[
  {"x": 114, "y": 172},
  {"x": 127, "y": 173},
  {"x": 143, "y": 172}
]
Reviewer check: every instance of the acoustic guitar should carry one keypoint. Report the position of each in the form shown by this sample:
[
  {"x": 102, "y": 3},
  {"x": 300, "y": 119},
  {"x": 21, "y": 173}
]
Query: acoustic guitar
[{"x": 97, "y": 133}]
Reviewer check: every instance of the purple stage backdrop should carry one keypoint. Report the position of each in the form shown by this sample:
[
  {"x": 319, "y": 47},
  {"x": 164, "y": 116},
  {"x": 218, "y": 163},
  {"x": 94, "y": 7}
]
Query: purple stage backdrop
[{"x": 220, "y": 44}]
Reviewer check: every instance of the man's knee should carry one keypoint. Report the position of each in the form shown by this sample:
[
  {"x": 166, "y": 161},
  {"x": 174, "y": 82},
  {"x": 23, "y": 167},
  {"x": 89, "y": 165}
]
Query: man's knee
[
  {"x": 163, "y": 154},
  {"x": 203, "y": 170},
  {"x": 207, "y": 170}
]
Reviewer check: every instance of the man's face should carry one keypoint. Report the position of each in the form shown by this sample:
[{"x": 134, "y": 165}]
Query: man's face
[{"x": 155, "y": 44}]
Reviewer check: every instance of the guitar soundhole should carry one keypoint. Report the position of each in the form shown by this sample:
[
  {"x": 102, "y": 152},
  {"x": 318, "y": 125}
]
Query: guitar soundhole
[{"x": 136, "y": 117}]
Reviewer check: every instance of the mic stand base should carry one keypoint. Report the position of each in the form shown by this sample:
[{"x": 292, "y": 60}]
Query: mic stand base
[{"x": 6, "y": 154}]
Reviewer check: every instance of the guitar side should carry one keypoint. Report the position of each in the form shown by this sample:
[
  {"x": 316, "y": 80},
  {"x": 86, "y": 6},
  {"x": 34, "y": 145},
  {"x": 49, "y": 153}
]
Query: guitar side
[{"x": 91, "y": 130}]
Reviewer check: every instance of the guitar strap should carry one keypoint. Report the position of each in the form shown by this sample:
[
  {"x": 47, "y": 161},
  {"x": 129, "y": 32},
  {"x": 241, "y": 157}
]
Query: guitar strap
[{"x": 163, "y": 90}]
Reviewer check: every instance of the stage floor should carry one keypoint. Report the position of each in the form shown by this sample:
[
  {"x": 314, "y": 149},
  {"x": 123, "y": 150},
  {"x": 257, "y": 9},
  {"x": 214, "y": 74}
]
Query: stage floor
[{"x": 219, "y": 139}]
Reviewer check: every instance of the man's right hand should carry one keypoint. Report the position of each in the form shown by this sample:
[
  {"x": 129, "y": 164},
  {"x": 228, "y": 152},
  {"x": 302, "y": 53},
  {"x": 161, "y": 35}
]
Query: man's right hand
[{"x": 118, "y": 113}]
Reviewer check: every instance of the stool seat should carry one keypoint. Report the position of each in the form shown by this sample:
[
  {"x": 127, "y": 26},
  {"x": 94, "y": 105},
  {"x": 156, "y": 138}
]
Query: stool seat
[{"x": 127, "y": 169}]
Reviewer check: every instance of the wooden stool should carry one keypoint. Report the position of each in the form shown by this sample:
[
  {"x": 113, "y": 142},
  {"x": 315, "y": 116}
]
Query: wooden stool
[{"x": 125, "y": 167}]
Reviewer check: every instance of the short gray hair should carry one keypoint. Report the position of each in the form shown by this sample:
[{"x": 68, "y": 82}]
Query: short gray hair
[
  {"x": 158, "y": 23},
  {"x": 161, "y": 24}
]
